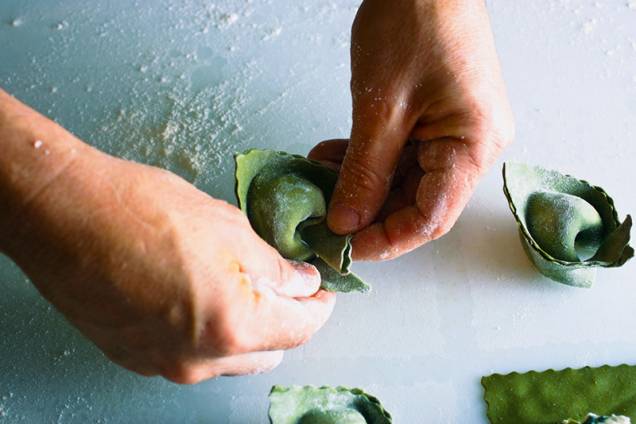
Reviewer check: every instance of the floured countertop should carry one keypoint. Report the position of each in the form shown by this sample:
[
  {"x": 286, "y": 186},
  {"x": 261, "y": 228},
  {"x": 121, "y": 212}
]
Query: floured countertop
[{"x": 184, "y": 85}]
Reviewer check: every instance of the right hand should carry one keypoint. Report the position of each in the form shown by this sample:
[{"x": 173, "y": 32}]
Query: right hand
[
  {"x": 164, "y": 279},
  {"x": 430, "y": 117}
]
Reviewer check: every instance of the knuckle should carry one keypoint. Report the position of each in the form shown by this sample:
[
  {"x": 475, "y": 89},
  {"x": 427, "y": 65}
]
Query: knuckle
[
  {"x": 360, "y": 171},
  {"x": 229, "y": 337},
  {"x": 233, "y": 343},
  {"x": 489, "y": 137},
  {"x": 495, "y": 124},
  {"x": 481, "y": 124}
]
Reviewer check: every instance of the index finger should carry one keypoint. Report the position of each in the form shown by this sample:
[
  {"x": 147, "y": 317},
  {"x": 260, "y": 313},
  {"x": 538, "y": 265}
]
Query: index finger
[
  {"x": 258, "y": 317},
  {"x": 284, "y": 323}
]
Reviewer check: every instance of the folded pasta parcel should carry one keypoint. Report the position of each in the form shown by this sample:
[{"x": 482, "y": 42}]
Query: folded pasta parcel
[
  {"x": 568, "y": 227},
  {"x": 325, "y": 405},
  {"x": 285, "y": 198}
]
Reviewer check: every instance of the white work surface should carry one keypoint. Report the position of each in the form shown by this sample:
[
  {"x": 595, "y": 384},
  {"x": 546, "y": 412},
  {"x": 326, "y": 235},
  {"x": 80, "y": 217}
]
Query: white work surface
[{"x": 185, "y": 85}]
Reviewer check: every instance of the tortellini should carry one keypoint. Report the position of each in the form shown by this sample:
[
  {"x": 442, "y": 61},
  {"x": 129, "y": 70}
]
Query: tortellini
[
  {"x": 568, "y": 227},
  {"x": 285, "y": 198},
  {"x": 325, "y": 405}
]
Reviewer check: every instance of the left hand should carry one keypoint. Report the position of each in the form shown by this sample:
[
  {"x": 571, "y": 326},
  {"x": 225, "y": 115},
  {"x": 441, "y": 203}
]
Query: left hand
[{"x": 164, "y": 279}]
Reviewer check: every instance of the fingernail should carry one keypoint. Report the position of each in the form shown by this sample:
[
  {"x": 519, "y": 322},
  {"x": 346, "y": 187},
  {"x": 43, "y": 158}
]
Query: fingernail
[
  {"x": 307, "y": 271},
  {"x": 304, "y": 282},
  {"x": 343, "y": 219}
]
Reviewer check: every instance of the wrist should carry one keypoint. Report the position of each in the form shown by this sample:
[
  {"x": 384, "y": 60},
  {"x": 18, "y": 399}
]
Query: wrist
[{"x": 36, "y": 153}]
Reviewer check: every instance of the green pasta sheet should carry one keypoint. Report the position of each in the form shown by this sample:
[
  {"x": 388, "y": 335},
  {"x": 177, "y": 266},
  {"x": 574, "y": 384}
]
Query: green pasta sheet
[
  {"x": 550, "y": 397},
  {"x": 568, "y": 227},
  {"x": 325, "y": 405},
  {"x": 285, "y": 197}
]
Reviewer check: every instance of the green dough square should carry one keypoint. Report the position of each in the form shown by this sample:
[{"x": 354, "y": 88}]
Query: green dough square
[{"x": 550, "y": 397}]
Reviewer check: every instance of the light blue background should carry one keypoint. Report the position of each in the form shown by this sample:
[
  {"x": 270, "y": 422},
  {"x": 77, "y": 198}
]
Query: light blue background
[{"x": 186, "y": 84}]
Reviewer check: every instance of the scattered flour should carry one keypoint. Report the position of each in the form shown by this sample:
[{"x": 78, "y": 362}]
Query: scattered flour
[
  {"x": 61, "y": 25},
  {"x": 191, "y": 137},
  {"x": 272, "y": 33},
  {"x": 227, "y": 19},
  {"x": 590, "y": 26}
]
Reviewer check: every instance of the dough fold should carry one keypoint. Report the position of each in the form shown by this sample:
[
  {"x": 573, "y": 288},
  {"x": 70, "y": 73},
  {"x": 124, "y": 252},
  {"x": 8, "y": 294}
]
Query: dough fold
[
  {"x": 325, "y": 405},
  {"x": 285, "y": 198},
  {"x": 568, "y": 227}
]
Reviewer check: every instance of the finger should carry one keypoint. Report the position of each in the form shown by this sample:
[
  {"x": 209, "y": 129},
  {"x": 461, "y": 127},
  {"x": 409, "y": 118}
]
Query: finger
[
  {"x": 261, "y": 320},
  {"x": 443, "y": 191},
  {"x": 266, "y": 267},
  {"x": 286, "y": 278},
  {"x": 329, "y": 150},
  {"x": 403, "y": 195},
  {"x": 192, "y": 372},
  {"x": 302, "y": 281},
  {"x": 250, "y": 363},
  {"x": 332, "y": 152},
  {"x": 283, "y": 323},
  {"x": 377, "y": 138},
  {"x": 332, "y": 165},
  {"x": 395, "y": 201}
]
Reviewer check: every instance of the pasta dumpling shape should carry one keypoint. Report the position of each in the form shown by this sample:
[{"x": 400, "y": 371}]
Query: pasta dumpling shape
[
  {"x": 325, "y": 405},
  {"x": 568, "y": 227},
  {"x": 285, "y": 198}
]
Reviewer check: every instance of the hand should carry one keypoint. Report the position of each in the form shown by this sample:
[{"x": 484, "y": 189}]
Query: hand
[
  {"x": 161, "y": 277},
  {"x": 430, "y": 116}
]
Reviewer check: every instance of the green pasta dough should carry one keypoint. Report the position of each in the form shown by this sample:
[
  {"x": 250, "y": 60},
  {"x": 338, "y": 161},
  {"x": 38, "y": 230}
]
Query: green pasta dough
[
  {"x": 568, "y": 227},
  {"x": 550, "y": 397},
  {"x": 558, "y": 221},
  {"x": 285, "y": 198},
  {"x": 325, "y": 405}
]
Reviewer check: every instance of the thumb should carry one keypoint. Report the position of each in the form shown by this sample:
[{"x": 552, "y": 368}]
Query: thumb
[
  {"x": 377, "y": 138},
  {"x": 266, "y": 267},
  {"x": 298, "y": 279}
]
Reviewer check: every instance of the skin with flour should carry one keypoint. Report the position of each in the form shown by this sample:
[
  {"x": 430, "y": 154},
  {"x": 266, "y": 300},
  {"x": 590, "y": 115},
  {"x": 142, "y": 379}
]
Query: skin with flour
[
  {"x": 140, "y": 261},
  {"x": 422, "y": 70},
  {"x": 160, "y": 276}
]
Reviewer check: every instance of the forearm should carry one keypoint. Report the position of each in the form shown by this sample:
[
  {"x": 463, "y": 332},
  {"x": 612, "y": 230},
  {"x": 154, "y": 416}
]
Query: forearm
[{"x": 35, "y": 153}]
